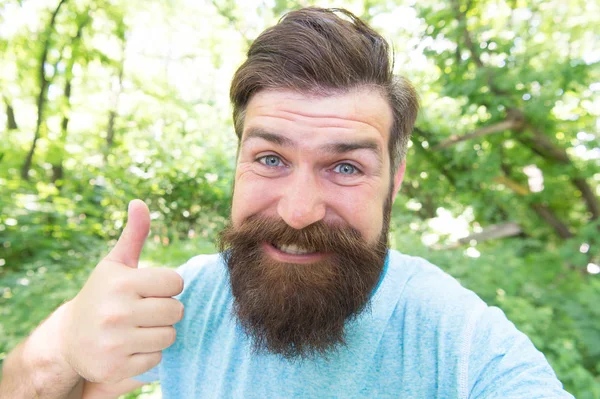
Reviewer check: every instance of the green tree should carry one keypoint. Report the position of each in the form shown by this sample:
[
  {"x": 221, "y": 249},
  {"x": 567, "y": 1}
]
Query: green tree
[{"x": 105, "y": 101}]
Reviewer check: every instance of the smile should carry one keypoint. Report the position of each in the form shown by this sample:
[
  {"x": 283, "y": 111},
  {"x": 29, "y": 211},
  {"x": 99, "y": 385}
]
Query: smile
[
  {"x": 293, "y": 249},
  {"x": 292, "y": 253}
]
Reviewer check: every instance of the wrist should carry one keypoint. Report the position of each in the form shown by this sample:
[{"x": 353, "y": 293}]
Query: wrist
[{"x": 44, "y": 358}]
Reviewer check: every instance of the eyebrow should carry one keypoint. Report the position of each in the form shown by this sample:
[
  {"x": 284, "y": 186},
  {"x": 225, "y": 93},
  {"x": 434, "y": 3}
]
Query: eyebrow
[
  {"x": 336, "y": 148},
  {"x": 271, "y": 137}
]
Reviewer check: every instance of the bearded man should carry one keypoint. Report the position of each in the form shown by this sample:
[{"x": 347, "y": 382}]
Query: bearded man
[{"x": 305, "y": 298}]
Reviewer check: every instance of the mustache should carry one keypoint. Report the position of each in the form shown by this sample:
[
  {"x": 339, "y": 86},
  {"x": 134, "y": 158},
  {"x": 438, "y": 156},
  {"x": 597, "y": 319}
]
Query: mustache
[
  {"x": 319, "y": 236},
  {"x": 299, "y": 311}
]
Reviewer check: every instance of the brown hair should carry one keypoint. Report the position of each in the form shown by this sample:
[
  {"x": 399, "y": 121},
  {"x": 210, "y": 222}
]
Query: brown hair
[
  {"x": 315, "y": 51},
  {"x": 291, "y": 309}
]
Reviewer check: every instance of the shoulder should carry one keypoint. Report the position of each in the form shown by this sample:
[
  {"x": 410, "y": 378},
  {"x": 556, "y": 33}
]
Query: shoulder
[
  {"x": 202, "y": 275},
  {"x": 427, "y": 288},
  {"x": 200, "y": 265},
  {"x": 430, "y": 307},
  {"x": 486, "y": 352}
]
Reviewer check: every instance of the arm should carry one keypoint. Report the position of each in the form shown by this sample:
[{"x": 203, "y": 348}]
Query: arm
[
  {"x": 34, "y": 370},
  {"x": 114, "y": 329},
  {"x": 35, "y": 367}
]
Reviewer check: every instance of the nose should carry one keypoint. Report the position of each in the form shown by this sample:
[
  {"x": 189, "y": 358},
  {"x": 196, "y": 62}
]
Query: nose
[{"x": 301, "y": 203}]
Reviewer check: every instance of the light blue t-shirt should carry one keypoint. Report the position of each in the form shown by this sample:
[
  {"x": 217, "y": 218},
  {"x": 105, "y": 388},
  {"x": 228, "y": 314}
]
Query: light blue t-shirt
[{"x": 425, "y": 336}]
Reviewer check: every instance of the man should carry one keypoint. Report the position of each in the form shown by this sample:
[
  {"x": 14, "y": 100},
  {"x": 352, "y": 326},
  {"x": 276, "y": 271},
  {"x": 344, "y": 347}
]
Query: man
[{"x": 305, "y": 299}]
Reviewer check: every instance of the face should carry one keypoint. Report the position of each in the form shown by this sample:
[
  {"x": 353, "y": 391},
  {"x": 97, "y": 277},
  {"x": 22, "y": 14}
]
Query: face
[
  {"x": 307, "y": 159},
  {"x": 308, "y": 235}
]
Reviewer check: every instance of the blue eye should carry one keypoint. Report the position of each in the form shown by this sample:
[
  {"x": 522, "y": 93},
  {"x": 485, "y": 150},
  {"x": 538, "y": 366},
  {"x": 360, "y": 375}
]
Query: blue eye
[
  {"x": 270, "y": 160},
  {"x": 345, "y": 169}
]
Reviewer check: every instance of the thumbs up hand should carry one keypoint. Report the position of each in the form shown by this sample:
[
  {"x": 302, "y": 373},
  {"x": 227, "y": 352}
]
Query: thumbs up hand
[{"x": 121, "y": 320}]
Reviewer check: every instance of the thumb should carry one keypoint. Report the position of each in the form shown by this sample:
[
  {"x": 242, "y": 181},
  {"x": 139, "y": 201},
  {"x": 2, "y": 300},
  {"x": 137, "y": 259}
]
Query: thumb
[{"x": 130, "y": 244}]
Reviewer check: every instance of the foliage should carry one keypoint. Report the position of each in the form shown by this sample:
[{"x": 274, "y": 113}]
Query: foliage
[
  {"x": 105, "y": 101},
  {"x": 555, "y": 309}
]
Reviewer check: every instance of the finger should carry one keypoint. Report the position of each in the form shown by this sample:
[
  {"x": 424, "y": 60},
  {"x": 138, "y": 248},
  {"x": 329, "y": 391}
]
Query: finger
[
  {"x": 139, "y": 363},
  {"x": 130, "y": 244},
  {"x": 159, "y": 283},
  {"x": 157, "y": 312},
  {"x": 152, "y": 339}
]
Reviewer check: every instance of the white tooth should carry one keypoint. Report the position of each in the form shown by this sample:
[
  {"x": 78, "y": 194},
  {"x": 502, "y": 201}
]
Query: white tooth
[{"x": 294, "y": 249}]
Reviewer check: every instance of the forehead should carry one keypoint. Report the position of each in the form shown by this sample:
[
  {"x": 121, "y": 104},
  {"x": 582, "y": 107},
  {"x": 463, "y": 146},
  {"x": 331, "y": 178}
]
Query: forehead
[{"x": 357, "y": 113}]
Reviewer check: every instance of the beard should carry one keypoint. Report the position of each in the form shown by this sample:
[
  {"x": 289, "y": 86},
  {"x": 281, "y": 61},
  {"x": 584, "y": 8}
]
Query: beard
[{"x": 300, "y": 310}]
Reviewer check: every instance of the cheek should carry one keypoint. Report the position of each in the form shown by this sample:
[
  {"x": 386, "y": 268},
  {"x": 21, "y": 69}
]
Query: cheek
[
  {"x": 362, "y": 209},
  {"x": 251, "y": 195}
]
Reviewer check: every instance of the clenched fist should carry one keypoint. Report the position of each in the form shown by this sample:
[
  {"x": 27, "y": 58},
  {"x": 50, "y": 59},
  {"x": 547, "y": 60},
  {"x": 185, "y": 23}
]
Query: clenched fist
[{"x": 121, "y": 320}]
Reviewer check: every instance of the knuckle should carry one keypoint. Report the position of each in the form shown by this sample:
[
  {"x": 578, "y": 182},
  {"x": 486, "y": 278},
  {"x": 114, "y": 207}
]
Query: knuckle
[
  {"x": 108, "y": 319},
  {"x": 111, "y": 346},
  {"x": 113, "y": 317}
]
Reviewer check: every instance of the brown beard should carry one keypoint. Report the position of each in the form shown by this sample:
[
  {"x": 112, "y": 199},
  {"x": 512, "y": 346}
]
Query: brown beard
[{"x": 300, "y": 310}]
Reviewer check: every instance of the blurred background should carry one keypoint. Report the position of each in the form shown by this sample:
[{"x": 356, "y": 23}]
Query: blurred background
[{"x": 105, "y": 101}]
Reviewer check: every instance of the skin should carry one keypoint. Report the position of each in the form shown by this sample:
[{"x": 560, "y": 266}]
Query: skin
[
  {"x": 114, "y": 329},
  {"x": 298, "y": 161},
  {"x": 306, "y": 178}
]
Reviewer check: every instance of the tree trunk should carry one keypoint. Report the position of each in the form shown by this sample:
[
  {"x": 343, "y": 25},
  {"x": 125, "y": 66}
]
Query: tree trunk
[
  {"x": 11, "y": 122},
  {"x": 110, "y": 130},
  {"x": 57, "y": 165},
  {"x": 42, "y": 92}
]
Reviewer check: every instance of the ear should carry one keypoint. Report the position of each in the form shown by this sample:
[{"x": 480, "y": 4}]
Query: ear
[{"x": 398, "y": 177}]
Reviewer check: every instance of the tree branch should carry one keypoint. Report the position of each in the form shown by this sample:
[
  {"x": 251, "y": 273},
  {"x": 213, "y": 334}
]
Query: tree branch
[
  {"x": 484, "y": 131},
  {"x": 428, "y": 208},
  {"x": 429, "y": 156},
  {"x": 460, "y": 17},
  {"x": 541, "y": 145},
  {"x": 440, "y": 161},
  {"x": 542, "y": 210},
  {"x": 588, "y": 196},
  {"x": 501, "y": 230},
  {"x": 517, "y": 188}
]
